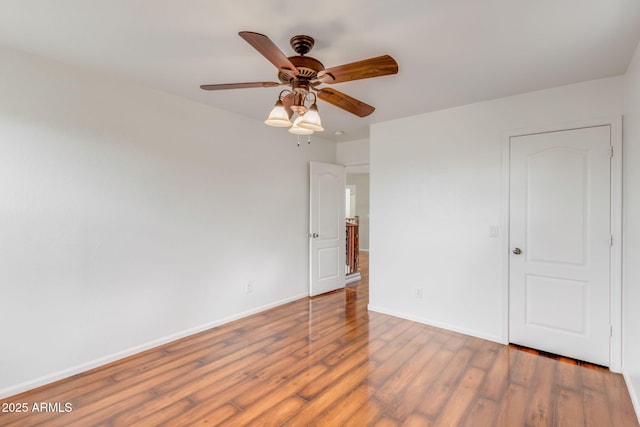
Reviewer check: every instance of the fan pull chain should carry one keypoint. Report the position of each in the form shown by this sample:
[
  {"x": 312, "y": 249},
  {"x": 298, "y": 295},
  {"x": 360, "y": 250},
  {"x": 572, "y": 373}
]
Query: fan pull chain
[{"x": 308, "y": 139}]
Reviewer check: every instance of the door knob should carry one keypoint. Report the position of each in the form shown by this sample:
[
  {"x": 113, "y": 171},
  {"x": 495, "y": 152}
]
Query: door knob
[
  {"x": 517, "y": 251},
  {"x": 313, "y": 235}
]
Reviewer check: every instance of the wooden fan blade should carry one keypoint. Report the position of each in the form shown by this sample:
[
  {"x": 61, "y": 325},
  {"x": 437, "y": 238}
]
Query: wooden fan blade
[
  {"x": 269, "y": 50},
  {"x": 365, "y": 69},
  {"x": 345, "y": 102},
  {"x": 239, "y": 85},
  {"x": 287, "y": 101}
]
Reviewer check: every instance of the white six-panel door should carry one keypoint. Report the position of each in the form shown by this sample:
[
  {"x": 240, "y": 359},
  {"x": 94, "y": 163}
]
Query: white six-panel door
[
  {"x": 560, "y": 242},
  {"x": 327, "y": 228}
]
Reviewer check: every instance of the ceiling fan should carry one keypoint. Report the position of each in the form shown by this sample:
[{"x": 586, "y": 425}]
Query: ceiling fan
[{"x": 304, "y": 74}]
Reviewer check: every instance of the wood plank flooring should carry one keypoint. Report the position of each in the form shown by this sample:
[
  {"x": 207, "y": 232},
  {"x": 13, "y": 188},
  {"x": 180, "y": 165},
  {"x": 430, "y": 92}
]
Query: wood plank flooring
[{"x": 327, "y": 361}]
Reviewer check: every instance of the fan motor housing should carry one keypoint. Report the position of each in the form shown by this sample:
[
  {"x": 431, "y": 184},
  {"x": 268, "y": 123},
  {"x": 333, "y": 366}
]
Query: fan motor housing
[{"x": 307, "y": 66}]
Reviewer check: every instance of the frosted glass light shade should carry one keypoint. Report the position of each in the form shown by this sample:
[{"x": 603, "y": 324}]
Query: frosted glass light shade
[
  {"x": 278, "y": 116},
  {"x": 299, "y": 130},
  {"x": 311, "y": 120}
]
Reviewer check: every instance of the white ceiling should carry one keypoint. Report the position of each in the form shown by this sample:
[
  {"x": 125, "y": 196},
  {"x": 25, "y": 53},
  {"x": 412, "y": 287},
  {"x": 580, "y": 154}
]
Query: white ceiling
[{"x": 450, "y": 52}]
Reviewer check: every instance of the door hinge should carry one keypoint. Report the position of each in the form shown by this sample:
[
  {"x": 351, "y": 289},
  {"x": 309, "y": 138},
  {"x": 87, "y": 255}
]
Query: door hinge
[
  {"x": 611, "y": 151},
  {"x": 610, "y": 330},
  {"x": 611, "y": 240}
]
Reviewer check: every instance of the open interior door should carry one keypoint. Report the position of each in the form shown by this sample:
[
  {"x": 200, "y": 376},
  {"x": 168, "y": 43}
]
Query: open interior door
[{"x": 326, "y": 228}]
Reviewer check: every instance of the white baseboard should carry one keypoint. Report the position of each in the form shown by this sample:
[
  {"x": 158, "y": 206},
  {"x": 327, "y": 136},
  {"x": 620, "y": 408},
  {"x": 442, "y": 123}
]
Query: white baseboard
[
  {"x": 441, "y": 325},
  {"x": 56, "y": 376},
  {"x": 633, "y": 393},
  {"x": 352, "y": 278}
]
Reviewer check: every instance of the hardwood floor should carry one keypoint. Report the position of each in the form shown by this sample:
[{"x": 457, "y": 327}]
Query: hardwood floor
[
  {"x": 327, "y": 361},
  {"x": 362, "y": 285}
]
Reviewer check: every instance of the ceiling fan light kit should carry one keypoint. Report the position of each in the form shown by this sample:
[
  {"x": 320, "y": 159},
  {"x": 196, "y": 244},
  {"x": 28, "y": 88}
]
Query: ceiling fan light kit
[
  {"x": 303, "y": 74},
  {"x": 308, "y": 120}
]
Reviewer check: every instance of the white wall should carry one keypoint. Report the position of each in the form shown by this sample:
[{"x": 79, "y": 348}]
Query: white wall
[
  {"x": 354, "y": 155},
  {"x": 444, "y": 169},
  {"x": 129, "y": 217},
  {"x": 631, "y": 232}
]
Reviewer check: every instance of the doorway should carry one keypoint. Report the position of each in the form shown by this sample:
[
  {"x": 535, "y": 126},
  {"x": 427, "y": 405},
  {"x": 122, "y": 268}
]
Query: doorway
[{"x": 357, "y": 208}]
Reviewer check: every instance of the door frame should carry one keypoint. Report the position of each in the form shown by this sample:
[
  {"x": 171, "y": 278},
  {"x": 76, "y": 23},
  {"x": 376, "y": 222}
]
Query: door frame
[{"x": 615, "y": 259}]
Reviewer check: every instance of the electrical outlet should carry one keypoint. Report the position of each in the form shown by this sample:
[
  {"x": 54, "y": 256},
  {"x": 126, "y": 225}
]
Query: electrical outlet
[
  {"x": 248, "y": 287},
  {"x": 418, "y": 292}
]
